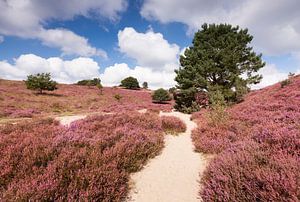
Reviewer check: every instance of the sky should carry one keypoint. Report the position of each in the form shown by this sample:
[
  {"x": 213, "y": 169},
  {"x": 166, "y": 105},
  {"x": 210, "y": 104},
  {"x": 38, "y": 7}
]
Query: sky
[{"x": 113, "y": 39}]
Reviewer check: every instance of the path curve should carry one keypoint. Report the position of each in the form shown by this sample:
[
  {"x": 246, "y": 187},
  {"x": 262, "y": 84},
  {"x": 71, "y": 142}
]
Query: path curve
[{"x": 173, "y": 176}]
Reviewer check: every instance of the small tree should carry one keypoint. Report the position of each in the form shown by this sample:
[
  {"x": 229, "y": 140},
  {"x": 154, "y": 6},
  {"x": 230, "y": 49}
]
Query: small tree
[
  {"x": 130, "y": 83},
  {"x": 145, "y": 85},
  {"x": 160, "y": 96},
  {"x": 40, "y": 82}
]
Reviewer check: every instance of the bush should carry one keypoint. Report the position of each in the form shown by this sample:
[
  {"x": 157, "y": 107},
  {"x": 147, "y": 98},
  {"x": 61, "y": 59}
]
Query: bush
[
  {"x": 93, "y": 82},
  {"x": 145, "y": 85},
  {"x": 247, "y": 172},
  {"x": 118, "y": 97},
  {"x": 130, "y": 83},
  {"x": 160, "y": 96},
  {"x": 90, "y": 160},
  {"x": 40, "y": 82},
  {"x": 172, "y": 125}
]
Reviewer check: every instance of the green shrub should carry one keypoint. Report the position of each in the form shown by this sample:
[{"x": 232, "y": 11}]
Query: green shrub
[
  {"x": 118, "y": 97},
  {"x": 87, "y": 82},
  {"x": 160, "y": 96},
  {"x": 40, "y": 82},
  {"x": 145, "y": 85},
  {"x": 130, "y": 83}
]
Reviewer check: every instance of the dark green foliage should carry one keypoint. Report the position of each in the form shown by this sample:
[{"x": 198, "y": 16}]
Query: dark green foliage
[
  {"x": 92, "y": 82},
  {"x": 160, "y": 96},
  {"x": 287, "y": 81},
  {"x": 216, "y": 61},
  {"x": 172, "y": 90},
  {"x": 145, "y": 85},
  {"x": 118, "y": 97},
  {"x": 40, "y": 82},
  {"x": 130, "y": 83}
]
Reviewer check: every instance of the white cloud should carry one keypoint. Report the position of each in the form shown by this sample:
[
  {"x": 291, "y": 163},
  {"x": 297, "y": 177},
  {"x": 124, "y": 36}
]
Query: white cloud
[
  {"x": 275, "y": 24},
  {"x": 69, "y": 43},
  {"x": 156, "y": 79},
  {"x": 68, "y": 71},
  {"x": 1, "y": 39},
  {"x": 149, "y": 49},
  {"x": 27, "y": 19},
  {"x": 271, "y": 75}
]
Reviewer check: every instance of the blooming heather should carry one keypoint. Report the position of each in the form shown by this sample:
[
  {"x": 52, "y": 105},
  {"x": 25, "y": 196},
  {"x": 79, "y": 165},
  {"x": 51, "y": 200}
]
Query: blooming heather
[
  {"x": 17, "y": 101},
  {"x": 258, "y": 147},
  {"x": 90, "y": 160},
  {"x": 172, "y": 125}
]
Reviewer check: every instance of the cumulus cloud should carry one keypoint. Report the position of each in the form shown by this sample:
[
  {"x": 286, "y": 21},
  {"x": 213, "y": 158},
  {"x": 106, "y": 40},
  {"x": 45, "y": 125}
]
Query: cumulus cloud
[
  {"x": 156, "y": 79},
  {"x": 1, "y": 39},
  {"x": 274, "y": 24},
  {"x": 63, "y": 71},
  {"x": 149, "y": 49},
  {"x": 27, "y": 19},
  {"x": 271, "y": 75},
  {"x": 69, "y": 43}
]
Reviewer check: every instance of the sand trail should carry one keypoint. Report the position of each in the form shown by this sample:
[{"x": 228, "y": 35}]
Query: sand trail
[{"x": 174, "y": 174}]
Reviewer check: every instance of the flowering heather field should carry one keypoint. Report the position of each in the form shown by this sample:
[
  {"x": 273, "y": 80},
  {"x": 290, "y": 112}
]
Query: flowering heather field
[
  {"x": 91, "y": 160},
  {"x": 16, "y": 101},
  {"x": 258, "y": 147}
]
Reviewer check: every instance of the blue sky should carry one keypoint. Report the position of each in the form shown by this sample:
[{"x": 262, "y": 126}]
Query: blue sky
[{"x": 112, "y": 39}]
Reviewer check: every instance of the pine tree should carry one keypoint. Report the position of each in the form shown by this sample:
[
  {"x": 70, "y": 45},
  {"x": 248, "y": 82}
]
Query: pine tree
[
  {"x": 219, "y": 60},
  {"x": 40, "y": 82}
]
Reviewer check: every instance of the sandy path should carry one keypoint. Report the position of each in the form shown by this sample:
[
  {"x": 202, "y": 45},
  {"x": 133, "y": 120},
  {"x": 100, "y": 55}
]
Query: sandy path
[
  {"x": 67, "y": 120},
  {"x": 173, "y": 175}
]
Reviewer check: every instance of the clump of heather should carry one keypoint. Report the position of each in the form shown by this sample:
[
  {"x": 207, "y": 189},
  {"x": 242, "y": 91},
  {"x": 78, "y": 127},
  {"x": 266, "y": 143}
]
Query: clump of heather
[
  {"x": 172, "y": 125},
  {"x": 249, "y": 172},
  {"x": 90, "y": 160},
  {"x": 266, "y": 166}
]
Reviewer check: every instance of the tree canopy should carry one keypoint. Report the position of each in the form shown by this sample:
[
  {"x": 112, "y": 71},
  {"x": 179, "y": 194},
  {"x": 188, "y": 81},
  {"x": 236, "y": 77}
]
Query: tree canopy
[
  {"x": 40, "y": 82},
  {"x": 89, "y": 82},
  {"x": 130, "y": 83},
  {"x": 160, "y": 96},
  {"x": 220, "y": 60}
]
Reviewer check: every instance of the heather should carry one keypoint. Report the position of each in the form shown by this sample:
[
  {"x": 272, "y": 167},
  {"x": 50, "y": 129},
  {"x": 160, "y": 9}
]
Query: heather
[
  {"x": 172, "y": 125},
  {"x": 90, "y": 160},
  {"x": 17, "y": 101},
  {"x": 258, "y": 146}
]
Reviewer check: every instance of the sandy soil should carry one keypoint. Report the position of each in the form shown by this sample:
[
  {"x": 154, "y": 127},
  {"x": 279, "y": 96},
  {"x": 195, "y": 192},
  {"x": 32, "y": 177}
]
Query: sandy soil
[
  {"x": 173, "y": 175},
  {"x": 67, "y": 120}
]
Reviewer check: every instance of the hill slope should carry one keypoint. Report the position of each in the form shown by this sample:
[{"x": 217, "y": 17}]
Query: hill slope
[
  {"x": 17, "y": 101},
  {"x": 257, "y": 143}
]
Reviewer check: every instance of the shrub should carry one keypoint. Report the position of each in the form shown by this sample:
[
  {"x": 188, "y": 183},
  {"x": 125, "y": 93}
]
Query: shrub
[
  {"x": 90, "y": 160},
  {"x": 145, "y": 85},
  {"x": 247, "y": 172},
  {"x": 87, "y": 82},
  {"x": 257, "y": 145},
  {"x": 160, "y": 96},
  {"x": 173, "y": 125},
  {"x": 172, "y": 90},
  {"x": 130, "y": 83},
  {"x": 40, "y": 82},
  {"x": 118, "y": 97},
  {"x": 285, "y": 83}
]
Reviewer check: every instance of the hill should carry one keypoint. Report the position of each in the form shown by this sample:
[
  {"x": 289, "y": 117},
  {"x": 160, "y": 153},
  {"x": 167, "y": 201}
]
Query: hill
[
  {"x": 16, "y": 101},
  {"x": 256, "y": 145}
]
